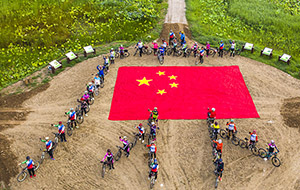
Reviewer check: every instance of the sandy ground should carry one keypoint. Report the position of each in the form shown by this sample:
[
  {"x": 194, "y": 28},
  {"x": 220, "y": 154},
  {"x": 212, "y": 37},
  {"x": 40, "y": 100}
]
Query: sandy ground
[{"x": 183, "y": 146}]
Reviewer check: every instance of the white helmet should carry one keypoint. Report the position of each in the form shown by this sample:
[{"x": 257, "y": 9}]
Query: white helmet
[
  {"x": 154, "y": 41},
  {"x": 220, "y": 141},
  {"x": 121, "y": 45},
  {"x": 195, "y": 42},
  {"x": 112, "y": 48},
  {"x": 232, "y": 120},
  {"x": 85, "y": 92},
  {"x": 124, "y": 137},
  {"x": 152, "y": 123},
  {"x": 90, "y": 83},
  {"x": 155, "y": 108},
  {"x": 71, "y": 109},
  {"x": 272, "y": 142},
  {"x": 213, "y": 109},
  {"x": 46, "y": 138}
]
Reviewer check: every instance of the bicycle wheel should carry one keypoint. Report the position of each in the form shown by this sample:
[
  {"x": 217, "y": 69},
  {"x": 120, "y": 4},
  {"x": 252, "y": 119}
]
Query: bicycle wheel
[
  {"x": 254, "y": 150},
  {"x": 56, "y": 140},
  {"x": 201, "y": 60},
  {"x": 152, "y": 182},
  {"x": 211, "y": 51},
  {"x": 91, "y": 101},
  {"x": 225, "y": 52},
  {"x": 37, "y": 165},
  {"x": 103, "y": 169},
  {"x": 197, "y": 61},
  {"x": 262, "y": 153},
  {"x": 117, "y": 55},
  {"x": 87, "y": 109},
  {"x": 42, "y": 157},
  {"x": 217, "y": 181},
  {"x": 169, "y": 52},
  {"x": 235, "y": 140},
  {"x": 242, "y": 143},
  {"x": 69, "y": 130},
  {"x": 130, "y": 146},
  {"x": 80, "y": 119},
  {"x": 179, "y": 53},
  {"x": 96, "y": 91},
  {"x": 149, "y": 139},
  {"x": 188, "y": 52},
  {"x": 22, "y": 176},
  {"x": 126, "y": 54},
  {"x": 118, "y": 155},
  {"x": 149, "y": 51},
  {"x": 134, "y": 141},
  {"x": 223, "y": 133},
  {"x": 276, "y": 162}
]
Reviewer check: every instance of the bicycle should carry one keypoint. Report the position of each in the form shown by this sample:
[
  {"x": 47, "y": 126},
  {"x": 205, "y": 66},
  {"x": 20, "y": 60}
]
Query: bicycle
[
  {"x": 119, "y": 153},
  {"x": 112, "y": 60},
  {"x": 199, "y": 59},
  {"x": 177, "y": 52},
  {"x": 160, "y": 58},
  {"x": 224, "y": 134},
  {"x": 42, "y": 158},
  {"x": 106, "y": 163},
  {"x": 245, "y": 144},
  {"x": 152, "y": 180},
  {"x": 217, "y": 178},
  {"x": 23, "y": 174},
  {"x": 79, "y": 114},
  {"x": 57, "y": 137},
  {"x": 265, "y": 154},
  {"x": 136, "y": 136},
  {"x": 70, "y": 127}
]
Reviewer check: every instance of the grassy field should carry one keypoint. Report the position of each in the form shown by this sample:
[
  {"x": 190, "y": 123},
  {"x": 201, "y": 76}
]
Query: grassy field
[
  {"x": 274, "y": 24},
  {"x": 34, "y": 32}
]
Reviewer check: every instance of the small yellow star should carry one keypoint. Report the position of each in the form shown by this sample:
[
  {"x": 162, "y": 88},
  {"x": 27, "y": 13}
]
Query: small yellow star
[
  {"x": 144, "y": 81},
  {"x": 161, "y": 92},
  {"x": 174, "y": 85},
  {"x": 172, "y": 77},
  {"x": 161, "y": 73}
]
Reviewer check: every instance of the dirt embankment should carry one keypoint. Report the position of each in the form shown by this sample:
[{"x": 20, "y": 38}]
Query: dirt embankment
[{"x": 290, "y": 111}]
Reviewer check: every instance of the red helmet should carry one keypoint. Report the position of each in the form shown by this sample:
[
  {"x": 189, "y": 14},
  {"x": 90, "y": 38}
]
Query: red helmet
[
  {"x": 140, "y": 124},
  {"x": 81, "y": 99},
  {"x": 60, "y": 122}
]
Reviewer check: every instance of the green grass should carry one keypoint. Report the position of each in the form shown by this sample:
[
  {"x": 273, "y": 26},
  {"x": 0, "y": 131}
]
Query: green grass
[
  {"x": 34, "y": 32},
  {"x": 274, "y": 24}
]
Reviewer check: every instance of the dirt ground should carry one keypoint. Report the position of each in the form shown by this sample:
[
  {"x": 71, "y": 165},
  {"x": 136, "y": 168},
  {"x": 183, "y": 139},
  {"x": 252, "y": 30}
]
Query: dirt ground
[{"x": 184, "y": 152}]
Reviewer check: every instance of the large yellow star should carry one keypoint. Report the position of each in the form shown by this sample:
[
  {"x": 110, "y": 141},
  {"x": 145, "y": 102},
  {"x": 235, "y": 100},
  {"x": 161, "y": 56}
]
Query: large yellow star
[
  {"x": 144, "y": 81},
  {"x": 172, "y": 77},
  {"x": 161, "y": 92},
  {"x": 174, "y": 85},
  {"x": 161, "y": 73}
]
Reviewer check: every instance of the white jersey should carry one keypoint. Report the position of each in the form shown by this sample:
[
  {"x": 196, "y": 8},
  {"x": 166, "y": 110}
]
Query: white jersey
[
  {"x": 253, "y": 137},
  {"x": 232, "y": 45},
  {"x": 231, "y": 127}
]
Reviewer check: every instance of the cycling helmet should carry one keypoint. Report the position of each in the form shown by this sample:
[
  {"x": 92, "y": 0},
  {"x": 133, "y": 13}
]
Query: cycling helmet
[
  {"x": 213, "y": 109},
  {"x": 154, "y": 41},
  {"x": 220, "y": 141},
  {"x": 155, "y": 108},
  {"x": 90, "y": 83},
  {"x": 216, "y": 123},
  {"x": 221, "y": 41},
  {"x": 152, "y": 123},
  {"x": 171, "y": 31},
  {"x": 112, "y": 49},
  {"x": 108, "y": 150},
  {"x": 71, "y": 109},
  {"x": 195, "y": 42},
  {"x": 207, "y": 42},
  {"x": 124, "y": 137},
  {"x": 60, "y": 122},
  {"x": 85, "y": 92},
  {"x": 231, "y": 120},
  {"x": 220, "y": 160},
  {"x": 272, "y": 142},
  {"x": 254, "y": 131},
  {"x": 27, "y": 158},
  {"x": 152, "y": 142},
  {"x": 140, "y": 124},
  {"x": 155, "y": 160},
  {"x": 233, "y": 41},
  {"x": 81, "y": 99},
  {"x": 46, "y": 138},
  {"x": 121, "y": 45}
]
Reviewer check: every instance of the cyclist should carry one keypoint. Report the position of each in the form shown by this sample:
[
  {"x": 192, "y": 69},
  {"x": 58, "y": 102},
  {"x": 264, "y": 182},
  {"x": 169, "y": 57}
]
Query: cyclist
[
  {"x": 140, "y": 45},
  {"x": 153, "y": 130},
  {"x": 152, "y": 150},
  {"x": 121, "y": 48},
  {"x": 100, "y": 71},
  {"x": 86, "y": 97},
  {"x": 165, "y": 44},
  {"x": 211, "y": 114},
  {"x": 207, "y": 48},
  {"x": 182, "y": 37},
  {"x": 172, "y": 36},
  {"x": 253, "y": 137},
  {"x": 61, "y": 131},
  {"x": 195, "y": 48},
  {"x": 232, "y": 48},
  {"x": 97, "y": 81},
  {"x": 174, "y": 46},
  {"x": 112, "y": 55},
  {"x": 161, "y": 51},
  {"x": 72, "y": 117},
  {"x": 141, "y": 132},
  {"x": 30, "y": 166},
  {"x": 216, "y": 128},
  {"x": 184, "y": 49},
  {"x": 220, "y": 168},
  {"x": 221, "y": 48},
  {"x": 49, "y": 145},
  {"x": 271, "y": 148},
  {"x": 154, "y": 114},
  {"x": 155, "y": 47},
  {"x": 83, "y": 105},
  {"x": 125, "y": 145},
  {"x": 154, "y": 169},
  {"x": 231, "y": 128},
  {"x": 106, "y": 63},
  {"x": 219, "y": 146},
  {"x": 110, "y": 159},
  {"x": 201, "y": 53},
  {"x": 90, "y": 88}
]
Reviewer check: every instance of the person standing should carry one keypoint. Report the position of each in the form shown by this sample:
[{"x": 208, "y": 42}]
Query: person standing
[{"x": 61, "y": 131}]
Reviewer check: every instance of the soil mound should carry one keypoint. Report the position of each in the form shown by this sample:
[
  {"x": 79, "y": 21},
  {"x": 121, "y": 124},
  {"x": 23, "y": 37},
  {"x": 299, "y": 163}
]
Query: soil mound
[{"x": 290, "y": 111}]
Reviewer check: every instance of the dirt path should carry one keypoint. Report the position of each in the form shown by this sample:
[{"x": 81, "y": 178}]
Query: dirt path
[{"x": 176, "y": 12}]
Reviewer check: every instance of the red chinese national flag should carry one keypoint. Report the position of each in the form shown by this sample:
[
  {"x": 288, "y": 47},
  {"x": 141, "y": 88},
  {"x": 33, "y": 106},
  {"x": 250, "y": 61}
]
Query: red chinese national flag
[{"x": 181, "y": 93}]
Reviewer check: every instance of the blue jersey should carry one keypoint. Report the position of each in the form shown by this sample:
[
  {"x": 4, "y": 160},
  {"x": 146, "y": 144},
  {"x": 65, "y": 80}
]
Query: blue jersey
[{"x": 161, "y": 50}]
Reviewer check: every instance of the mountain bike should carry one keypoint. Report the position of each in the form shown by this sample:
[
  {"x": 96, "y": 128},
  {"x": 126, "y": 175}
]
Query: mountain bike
[
  {"x": 199, "y": 59},
  {"x": 23, "y": 174},
  {"x": 112, "y": 60},
  {"x": 104, "y": 166},
  {"x": 79, "y": 114},
  {"x": 245, "y": 144},
  {"x": 96, "y": 91},
  {"x": 177, "y": 52},
  {"x": 273, "y": 156},
  {"x": 42, "y": 158},
  {"x": 224, "y": 134},
  {"x": 119, "y": 153},
  {"x": 57, "y": 137},
  {"x": 215, "y": 51},
  {"x": 217, "y": 178},
  {"x": 152, "y": 180},
  {"x": 70, "y": 127},
  {"x": 160, "y": 58},
  {"x": 136, "y": 137}
]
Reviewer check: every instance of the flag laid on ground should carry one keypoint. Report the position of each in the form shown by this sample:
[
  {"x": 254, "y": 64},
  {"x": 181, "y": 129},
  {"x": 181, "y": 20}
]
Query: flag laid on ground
[{"x": 181, "y": 93}]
